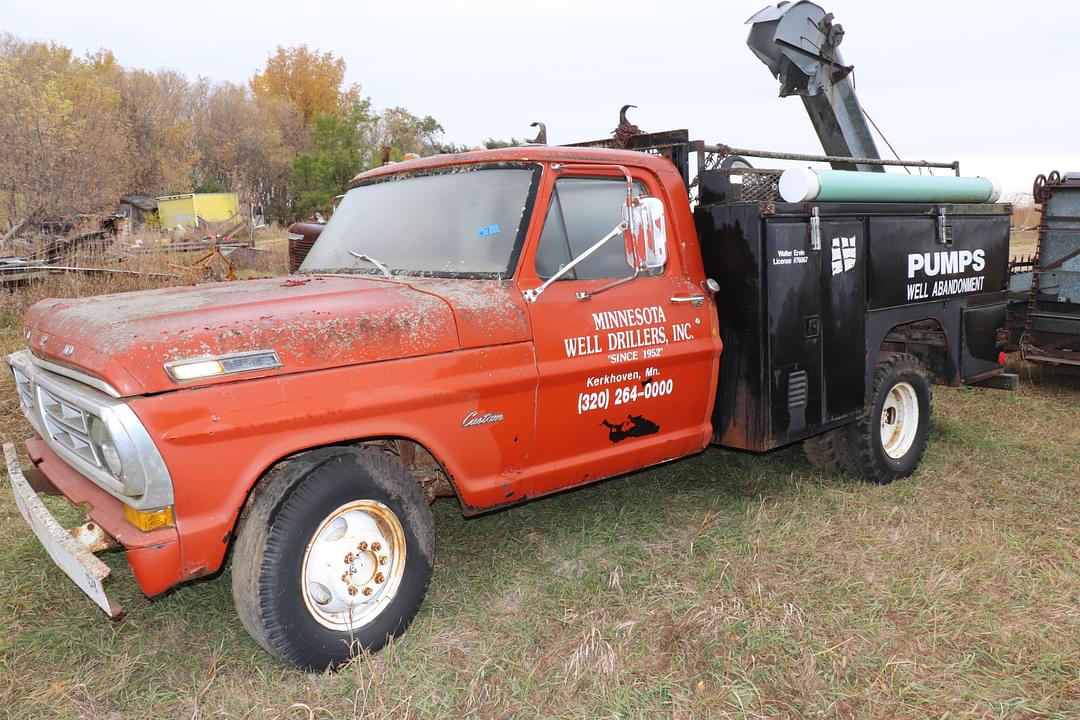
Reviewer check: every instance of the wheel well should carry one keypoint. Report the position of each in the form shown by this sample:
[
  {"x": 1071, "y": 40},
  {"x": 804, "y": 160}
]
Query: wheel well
[
  {"x": 926, "y": 340},
  {"x": 428, "y": 471}
]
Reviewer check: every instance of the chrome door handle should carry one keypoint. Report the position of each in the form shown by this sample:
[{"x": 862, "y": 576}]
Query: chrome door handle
[{"x": 695, "y": 300}]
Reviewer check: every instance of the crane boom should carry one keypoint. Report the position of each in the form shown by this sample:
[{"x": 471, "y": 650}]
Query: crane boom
[{"x": 799, "y": 43}]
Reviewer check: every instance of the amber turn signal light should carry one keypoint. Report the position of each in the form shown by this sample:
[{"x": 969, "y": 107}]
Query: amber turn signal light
[{"x": 147, "y": 520}]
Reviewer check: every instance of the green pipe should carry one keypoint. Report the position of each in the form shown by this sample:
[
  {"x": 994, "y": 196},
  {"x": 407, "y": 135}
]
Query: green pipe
[{"x": 806, "y": 185}]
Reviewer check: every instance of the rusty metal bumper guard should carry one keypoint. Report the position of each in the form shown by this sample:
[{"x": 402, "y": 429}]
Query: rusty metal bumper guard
[{"x": 70, "y": 555}]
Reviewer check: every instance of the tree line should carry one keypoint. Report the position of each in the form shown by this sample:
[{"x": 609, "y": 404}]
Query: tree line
[{"x": 77, "y": 132}]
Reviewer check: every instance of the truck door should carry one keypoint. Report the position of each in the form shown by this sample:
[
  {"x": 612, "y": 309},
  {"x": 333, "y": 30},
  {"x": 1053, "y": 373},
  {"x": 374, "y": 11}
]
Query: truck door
[{"x": 625, "y": 375}]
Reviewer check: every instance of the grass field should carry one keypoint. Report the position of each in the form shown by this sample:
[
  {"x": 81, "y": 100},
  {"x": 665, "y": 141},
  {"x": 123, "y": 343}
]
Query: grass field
[{"x": 726, "y": 585}]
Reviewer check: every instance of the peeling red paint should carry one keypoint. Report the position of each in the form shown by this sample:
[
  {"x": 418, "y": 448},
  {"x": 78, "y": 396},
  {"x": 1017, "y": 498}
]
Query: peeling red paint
[{"x": 127, "y": 339}]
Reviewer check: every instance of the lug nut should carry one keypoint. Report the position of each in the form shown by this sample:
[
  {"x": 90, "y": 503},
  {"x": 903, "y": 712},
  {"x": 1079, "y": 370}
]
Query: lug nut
[
  {"x": 362, "y": 546},
  {"x": 353, "y": 590},
  {"x": 383, "y": 559},
  {"x": 379, "y": 577},
  {"x": 367, "y": 592},
  {"x": 375, "y": 547},
  {"x": 349, "y": 557},
  {"x": 345, "y": 577}
]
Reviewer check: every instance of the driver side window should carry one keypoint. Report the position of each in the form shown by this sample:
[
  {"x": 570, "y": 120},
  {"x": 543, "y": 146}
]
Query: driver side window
[{"x": 582, "y": 211}]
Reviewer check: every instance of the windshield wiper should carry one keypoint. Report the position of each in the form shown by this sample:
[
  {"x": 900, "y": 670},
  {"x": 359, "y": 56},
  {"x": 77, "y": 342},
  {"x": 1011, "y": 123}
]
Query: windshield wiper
[{"x": 367, "y": 258}]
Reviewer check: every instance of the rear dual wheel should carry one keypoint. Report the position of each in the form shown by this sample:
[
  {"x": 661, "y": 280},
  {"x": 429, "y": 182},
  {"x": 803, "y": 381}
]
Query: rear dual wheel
[{"x": 333, "y": 556}]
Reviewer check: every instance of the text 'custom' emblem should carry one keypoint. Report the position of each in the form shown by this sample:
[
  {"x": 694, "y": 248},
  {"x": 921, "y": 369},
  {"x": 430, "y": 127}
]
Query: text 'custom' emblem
[{"x": 474, "y": 418}]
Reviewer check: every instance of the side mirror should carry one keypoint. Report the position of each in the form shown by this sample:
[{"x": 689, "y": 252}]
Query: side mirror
[
  {"x": 645, "y": 235},
  {"x": 656, "y": 238}
]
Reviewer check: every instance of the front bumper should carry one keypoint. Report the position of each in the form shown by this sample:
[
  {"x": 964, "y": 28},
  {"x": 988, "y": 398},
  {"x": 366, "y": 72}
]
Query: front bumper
[
  {"x": 70, "y": 555},
  {"x": 154, "y": 556}
]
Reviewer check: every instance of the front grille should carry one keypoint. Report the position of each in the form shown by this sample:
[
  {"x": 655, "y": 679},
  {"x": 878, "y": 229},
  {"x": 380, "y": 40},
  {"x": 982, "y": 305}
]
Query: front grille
[
  {"x": 66, "y": 412},
  {"x": 25, "y": 388},
  {"x": 67, "y": 425}
]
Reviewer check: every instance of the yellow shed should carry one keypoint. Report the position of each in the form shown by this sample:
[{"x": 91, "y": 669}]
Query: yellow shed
[{"x": 190, "y": 208}]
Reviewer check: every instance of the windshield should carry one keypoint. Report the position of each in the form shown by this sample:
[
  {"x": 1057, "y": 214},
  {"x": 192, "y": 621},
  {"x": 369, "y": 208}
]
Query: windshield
[{"x": 464, "y": 221}]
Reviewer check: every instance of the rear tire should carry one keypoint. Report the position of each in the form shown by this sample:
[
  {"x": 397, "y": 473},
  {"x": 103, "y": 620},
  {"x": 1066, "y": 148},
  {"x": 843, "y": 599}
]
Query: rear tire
[
  {"x": 889, "y": 441},
  {"x": 333, "y": 556},
  {"x": 827, "y": 451}
]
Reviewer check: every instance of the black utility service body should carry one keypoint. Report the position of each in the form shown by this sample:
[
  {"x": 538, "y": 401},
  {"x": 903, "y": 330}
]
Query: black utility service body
[{"x": 810, "y": 294}]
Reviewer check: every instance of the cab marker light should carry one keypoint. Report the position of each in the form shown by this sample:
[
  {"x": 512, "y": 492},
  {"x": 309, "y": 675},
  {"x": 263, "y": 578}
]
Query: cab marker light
[{"x": 205, "y": 367}]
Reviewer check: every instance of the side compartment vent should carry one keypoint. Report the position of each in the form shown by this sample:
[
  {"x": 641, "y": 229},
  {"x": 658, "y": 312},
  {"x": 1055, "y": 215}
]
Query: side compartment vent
[{"x": 796, "y": 389}]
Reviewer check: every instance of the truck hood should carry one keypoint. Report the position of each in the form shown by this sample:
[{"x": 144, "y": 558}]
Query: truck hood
[{"x": 311, "y": 322}]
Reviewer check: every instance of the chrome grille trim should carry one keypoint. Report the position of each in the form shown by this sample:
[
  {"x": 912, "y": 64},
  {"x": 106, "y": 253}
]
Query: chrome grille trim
[
  {"x": 71, "y": 417},
  {"x": 25, "y": 388},
  {"x": 61, "y": 409},
  {"x": 86, "y": 379},
  {"x": 67, "y": 425}
]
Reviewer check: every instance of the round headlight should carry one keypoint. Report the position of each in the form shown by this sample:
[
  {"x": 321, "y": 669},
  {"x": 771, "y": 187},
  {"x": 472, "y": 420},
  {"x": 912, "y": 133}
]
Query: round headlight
[
  {"x": 99, "y": 435},
  {"x": 111, "y": 458}
]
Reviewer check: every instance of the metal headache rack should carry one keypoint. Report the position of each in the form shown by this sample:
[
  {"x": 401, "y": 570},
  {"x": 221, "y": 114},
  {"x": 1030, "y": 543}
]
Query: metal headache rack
[{"x": 729, "y": 167}]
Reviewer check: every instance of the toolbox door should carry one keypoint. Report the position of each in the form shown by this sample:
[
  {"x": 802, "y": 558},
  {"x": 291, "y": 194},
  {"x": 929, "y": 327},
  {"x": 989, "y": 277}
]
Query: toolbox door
[
  {"x": 816, "y": 300},
  {"x": 793, "y": 274},
  {"x": 843, "y": 317}
]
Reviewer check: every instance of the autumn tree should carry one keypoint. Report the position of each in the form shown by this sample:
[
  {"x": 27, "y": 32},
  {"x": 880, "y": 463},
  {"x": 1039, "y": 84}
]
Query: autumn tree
[
  {"x": 314, "y": 83},
  {"x": 247, "y": 145},
  {"x": 157, "y": 111},
  {"x": 79, "y": 132},
  {"x": 402, "y": 132},
  {"x": 65, "y": 146}
]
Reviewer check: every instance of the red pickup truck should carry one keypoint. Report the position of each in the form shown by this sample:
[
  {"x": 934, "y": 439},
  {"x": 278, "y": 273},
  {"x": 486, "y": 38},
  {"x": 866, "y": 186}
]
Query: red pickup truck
[{"x": 496, "y": 326}]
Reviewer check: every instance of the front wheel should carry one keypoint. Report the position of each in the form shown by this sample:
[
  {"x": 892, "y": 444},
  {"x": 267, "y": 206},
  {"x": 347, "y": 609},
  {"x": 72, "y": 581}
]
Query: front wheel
[
  {"x": 334, "y": 555},
  {"x": 888, "y": 442}
]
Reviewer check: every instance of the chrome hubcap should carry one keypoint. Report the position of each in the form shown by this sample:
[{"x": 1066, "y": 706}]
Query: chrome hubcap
[{"x": 353, "y": 565}]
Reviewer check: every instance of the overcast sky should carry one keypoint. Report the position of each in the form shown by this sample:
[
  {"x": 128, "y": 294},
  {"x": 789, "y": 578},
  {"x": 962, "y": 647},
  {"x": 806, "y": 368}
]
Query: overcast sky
[{"x": 992, "y": 83}]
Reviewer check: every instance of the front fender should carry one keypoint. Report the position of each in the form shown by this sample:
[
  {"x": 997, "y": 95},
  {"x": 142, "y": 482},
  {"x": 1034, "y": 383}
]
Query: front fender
[{"x": 218, "y": 441}]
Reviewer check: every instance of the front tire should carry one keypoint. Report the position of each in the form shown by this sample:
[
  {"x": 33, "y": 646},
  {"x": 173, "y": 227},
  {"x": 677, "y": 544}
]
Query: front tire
[
  {"x": 889, "y": 441},
  {"x": 334, "y": 555}
]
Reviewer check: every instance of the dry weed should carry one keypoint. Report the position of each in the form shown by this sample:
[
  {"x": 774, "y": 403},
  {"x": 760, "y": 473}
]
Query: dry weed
[
  {"x": 134, "y": 271},
  {"x": 593, "y": 654}
]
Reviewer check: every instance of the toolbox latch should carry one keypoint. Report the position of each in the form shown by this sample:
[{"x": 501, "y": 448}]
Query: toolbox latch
[
  {"x": 815, "y": 229},
  {"x": 944, "y": 228}
]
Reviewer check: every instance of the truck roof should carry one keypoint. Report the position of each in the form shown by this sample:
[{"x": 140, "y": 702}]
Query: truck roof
[{"x": 524, "y": 153}]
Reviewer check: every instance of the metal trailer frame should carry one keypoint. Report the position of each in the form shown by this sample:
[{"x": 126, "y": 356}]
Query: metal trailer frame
[{"x": 1044, "y": 308}]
